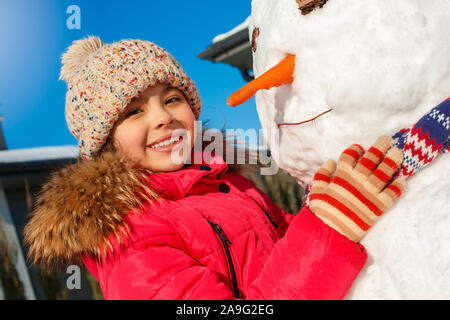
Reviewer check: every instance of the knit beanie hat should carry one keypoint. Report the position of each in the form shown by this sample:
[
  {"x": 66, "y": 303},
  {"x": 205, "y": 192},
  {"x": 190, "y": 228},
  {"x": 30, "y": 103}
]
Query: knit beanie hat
[{"x": 102, "y": 79}]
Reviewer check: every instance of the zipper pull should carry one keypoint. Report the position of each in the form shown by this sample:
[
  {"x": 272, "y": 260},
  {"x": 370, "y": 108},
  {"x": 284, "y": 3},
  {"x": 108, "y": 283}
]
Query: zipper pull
[{"x": 220, "y": 233}]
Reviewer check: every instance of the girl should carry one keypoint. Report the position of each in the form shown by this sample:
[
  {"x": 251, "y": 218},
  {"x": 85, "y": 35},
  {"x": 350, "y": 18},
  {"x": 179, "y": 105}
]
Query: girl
[{"x": 149, "y": 225}]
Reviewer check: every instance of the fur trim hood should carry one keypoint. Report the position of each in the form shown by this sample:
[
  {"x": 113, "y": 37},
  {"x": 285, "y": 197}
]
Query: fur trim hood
[{"x": 80, "y": 206}]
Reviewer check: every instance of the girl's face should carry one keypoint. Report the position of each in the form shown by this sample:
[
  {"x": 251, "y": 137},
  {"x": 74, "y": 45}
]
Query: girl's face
[{"x": 156, "y": 129}]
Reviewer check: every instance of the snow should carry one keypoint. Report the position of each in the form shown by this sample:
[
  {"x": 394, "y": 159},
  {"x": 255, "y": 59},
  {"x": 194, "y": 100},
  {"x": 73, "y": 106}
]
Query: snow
[
  {"x": 38, "y": 154},
  {"x": 242, "y": 26},
  {"x": 380, "y": 65}
]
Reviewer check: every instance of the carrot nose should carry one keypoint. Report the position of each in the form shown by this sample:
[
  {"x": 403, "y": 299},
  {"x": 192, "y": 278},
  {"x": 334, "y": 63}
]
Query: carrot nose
[{"x": 275, "y": 77}]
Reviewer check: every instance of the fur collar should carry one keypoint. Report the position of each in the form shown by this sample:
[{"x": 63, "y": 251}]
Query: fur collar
[{"x": 80, "y": 206}]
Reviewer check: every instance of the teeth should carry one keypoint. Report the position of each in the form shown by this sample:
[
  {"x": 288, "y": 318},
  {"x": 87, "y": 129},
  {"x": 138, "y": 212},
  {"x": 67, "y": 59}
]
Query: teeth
[{"x": 166, "y": 142}]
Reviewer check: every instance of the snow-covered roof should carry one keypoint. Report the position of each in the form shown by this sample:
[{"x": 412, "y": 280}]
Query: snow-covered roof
[
  {"x": 232, "y": 47},
  {"x": 38, "y": 154},
  {"x": 222, "y": 36}
]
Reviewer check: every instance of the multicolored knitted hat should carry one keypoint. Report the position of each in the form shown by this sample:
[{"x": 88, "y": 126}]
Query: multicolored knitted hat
[{"x": 103, "y": 78}]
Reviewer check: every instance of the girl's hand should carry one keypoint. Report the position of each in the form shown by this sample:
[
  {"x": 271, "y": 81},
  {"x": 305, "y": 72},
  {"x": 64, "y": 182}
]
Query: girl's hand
[{"x": 352, "y": 197}]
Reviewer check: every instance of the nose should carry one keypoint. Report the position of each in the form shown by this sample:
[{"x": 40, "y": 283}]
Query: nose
[
  {"x": 281, "y": 74},
  {"x": 161, "y": 117}
]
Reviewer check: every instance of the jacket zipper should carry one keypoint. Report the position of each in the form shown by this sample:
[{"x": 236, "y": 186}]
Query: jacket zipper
[
  {"x": 226, "y": 242},
  {"x": 270, "y": 219}
]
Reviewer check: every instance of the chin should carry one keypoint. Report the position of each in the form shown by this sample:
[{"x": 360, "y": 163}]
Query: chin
[
  {"x": 168, "y": 168},
  {"x": 165, "y": 162}
]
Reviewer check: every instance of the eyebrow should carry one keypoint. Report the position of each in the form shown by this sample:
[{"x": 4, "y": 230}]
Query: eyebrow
[
  {"x": 164, "y": 91},
  {"x": 169, "y": 88}
]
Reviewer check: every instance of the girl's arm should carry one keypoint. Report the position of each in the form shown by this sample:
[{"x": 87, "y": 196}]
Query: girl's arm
[{"x": 312, "y": 262}]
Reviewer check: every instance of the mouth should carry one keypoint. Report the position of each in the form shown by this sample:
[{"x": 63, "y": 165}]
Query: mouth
[
  {"x": 303, "y": 122},
  {"x": 166, "y": 143}
]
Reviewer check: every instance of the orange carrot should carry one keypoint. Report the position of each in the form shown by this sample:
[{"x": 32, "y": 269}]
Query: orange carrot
[{"x": 275, "y": 77}]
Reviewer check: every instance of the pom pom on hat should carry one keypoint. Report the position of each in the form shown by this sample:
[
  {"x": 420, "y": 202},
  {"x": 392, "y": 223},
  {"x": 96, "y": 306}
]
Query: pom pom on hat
[
  {"x": 76, "y": 53},
  {"x": 102, "y": 79}
]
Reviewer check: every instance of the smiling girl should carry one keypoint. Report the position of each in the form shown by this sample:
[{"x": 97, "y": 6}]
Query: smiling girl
[{"x": 149, "y": 222}]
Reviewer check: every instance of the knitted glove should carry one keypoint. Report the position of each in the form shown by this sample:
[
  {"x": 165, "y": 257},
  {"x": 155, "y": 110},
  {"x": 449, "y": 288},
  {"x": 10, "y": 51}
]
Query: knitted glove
[{"x": 352, "y": 197}]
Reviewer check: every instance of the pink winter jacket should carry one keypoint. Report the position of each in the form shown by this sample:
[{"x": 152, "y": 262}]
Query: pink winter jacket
[
  {"x": 212, "y": 235},
  {"x": 216, "y": 236}
]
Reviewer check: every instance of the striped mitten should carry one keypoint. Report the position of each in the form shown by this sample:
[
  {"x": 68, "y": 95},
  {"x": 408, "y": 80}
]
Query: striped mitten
[{"x": 351, "y": 197}]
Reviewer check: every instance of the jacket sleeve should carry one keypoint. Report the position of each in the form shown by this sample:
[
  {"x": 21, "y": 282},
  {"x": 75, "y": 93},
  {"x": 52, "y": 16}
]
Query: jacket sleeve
[
  {"x": 310, "y": 261},
  {"x": 321, "y": 264}
]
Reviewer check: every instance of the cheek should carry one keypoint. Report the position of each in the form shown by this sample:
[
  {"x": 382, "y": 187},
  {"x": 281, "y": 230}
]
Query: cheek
[
  {"x": 186, "y": 116},
  {"x": 128, "y": 138}
]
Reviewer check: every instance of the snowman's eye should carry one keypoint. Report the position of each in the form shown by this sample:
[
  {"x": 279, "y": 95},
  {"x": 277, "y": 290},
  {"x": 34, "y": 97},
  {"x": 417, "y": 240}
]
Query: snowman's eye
[
  {"x": 255, "y": 34},
  {"x": 306, "y": 6}
]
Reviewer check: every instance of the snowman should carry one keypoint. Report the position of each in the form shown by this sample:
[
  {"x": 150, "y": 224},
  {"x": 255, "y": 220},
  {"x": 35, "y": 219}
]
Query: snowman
[{"x": 348, "y": 71}]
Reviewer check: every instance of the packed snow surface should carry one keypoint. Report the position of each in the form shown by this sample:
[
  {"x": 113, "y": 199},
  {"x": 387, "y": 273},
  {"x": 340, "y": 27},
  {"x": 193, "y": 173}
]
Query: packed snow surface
[{"x": 380, "y": 65}]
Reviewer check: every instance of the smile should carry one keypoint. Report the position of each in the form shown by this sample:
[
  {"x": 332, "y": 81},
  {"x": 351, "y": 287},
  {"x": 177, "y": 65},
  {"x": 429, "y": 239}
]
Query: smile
[{"x": 166, "y": 145}]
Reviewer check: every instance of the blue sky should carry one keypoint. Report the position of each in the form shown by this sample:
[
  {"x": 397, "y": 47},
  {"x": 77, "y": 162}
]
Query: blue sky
[{"x": 34, "y": 35}]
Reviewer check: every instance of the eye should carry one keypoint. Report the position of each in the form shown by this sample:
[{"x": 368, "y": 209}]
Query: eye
[
  {"x": 173, "y": 99},
  {"x": 255, "y": 35},
  {"x": 132, "y": 112},
  {"x": 307, "y": 6}
]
